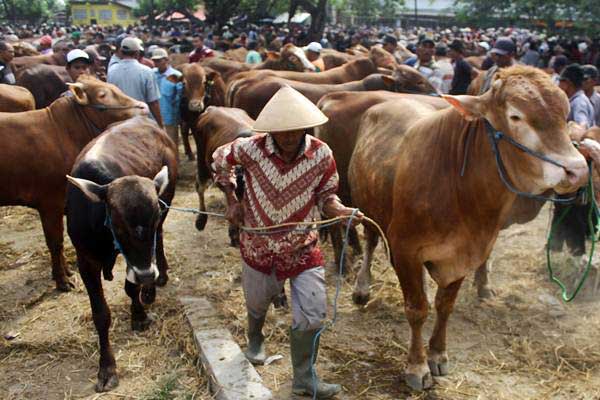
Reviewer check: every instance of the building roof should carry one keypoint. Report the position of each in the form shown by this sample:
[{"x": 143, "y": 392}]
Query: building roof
[{"x": 125, "y": 3}]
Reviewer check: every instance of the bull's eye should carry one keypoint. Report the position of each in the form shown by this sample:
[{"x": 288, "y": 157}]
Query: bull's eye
[
  {"x": 101, "y": 94},
  {"x": 515, "y": 118}
]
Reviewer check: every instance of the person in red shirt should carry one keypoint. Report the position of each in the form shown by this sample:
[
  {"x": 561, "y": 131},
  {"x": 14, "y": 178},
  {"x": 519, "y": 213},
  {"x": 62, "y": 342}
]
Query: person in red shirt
[
  {"x": 290, "y": 177},
  {"x": 200, "y": 51}
]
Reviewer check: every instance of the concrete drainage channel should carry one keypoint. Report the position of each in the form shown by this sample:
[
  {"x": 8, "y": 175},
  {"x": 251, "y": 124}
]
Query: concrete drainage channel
[{"x": 232, "y": 377}]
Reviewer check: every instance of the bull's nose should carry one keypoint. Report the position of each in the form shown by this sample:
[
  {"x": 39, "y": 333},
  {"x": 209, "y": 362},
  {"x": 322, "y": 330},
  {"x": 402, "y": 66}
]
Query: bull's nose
[
  {"x": 577, "y": 173},
  {"x": 196, "y": 105},
  {"x": 144, "y": 108}
]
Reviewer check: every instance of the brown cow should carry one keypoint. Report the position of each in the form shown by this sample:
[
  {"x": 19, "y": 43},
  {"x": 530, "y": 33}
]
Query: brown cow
[
  {"x": 202, "y": 87},
  {"x": 253, "y": 94},
  {"x": 113, "y": 206},
  {"x": 24, "y": 49},
  {"x": 291, "y": 58},
  {"x": 15, "y": 99},
  {"x": 39, "y": 148},
  {"x": 333, "y": 58},
  {"x": 45, "y": 82},
  {"x": 435, "y": 218},
  {"x": 217, "y": 126},
  {"x": 59, "y": 57},
  {"x": 345, "y": 110}
]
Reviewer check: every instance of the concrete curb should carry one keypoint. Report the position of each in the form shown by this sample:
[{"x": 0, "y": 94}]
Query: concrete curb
[{"x": 232, "y": 377}]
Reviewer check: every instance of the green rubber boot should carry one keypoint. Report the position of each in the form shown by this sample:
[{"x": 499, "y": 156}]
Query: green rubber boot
[
  {"x": 256, "y": 341},
  {"x": 301, "y": 343}
]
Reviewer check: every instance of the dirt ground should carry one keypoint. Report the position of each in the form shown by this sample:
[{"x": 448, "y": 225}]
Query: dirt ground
[{"x": 523, "y": 344}]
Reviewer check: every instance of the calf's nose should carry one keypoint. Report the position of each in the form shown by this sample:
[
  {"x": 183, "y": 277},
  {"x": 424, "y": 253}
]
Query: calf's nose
[{"x": 196, "y": 105}]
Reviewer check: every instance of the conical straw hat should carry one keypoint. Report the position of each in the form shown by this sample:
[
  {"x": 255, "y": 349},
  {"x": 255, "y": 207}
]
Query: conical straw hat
[{"x": 288, "y": 110}]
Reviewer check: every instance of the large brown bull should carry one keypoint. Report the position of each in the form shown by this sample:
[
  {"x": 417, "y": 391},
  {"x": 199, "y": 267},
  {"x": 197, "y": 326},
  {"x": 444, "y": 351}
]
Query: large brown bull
[
  {"x": 405, "y": 173},
  {"x": 39, "y": 148},
  {"x": 291, "y": 58},
  {"x": 15, "y": 99},
  {"x": 59, "y": 57},
  {"x": 253, "y": 94}
]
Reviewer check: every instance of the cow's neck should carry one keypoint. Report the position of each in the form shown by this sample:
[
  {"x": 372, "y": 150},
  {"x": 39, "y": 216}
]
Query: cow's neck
[
  {"x": 73, "y": 125},
  {"x": 272, "y": 64}
]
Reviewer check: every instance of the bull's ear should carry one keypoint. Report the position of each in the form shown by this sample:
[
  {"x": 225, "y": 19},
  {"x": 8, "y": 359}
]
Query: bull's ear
[
  {"x": 91, "y": 190},
  {"x": 388, "y": 81},
  {"x": 79, "y": 93},
  {"x": 161, "y": 180},
  {"x": 273, "y": 55},
  {"x": 470, "y": 107}
]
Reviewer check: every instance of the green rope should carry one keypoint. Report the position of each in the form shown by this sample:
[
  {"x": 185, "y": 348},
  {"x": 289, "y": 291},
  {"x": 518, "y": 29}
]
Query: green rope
[{"x": 592, "y": 211}]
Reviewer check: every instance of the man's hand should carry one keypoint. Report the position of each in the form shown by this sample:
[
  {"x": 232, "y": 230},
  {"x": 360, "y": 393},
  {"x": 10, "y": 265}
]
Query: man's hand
[
  {"x": 590, "y": 149},
  {"x": 235, "y": 214},
  {"x": 333, "y": 208}
]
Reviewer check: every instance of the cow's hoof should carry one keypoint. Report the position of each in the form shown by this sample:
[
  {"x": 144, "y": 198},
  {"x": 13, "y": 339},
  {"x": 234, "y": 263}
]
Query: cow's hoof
[
  {"x": 438, "y": 364},
  {"x": 486, "y": 293},
  {"x": 419, "y": 382},
  {"x": 201, "y": 221},
  {"x": 147, "y": 294},
  {"x": 280, "y": 301},
  {"x": 162, "y": 279},
  {"x": 107, "y": 380},
  {"x": 361, "y": 299},
  {"x": 141, "y": 325},
  {"x": 108, "y": 275},
  {"x": 65, "y": 286}
]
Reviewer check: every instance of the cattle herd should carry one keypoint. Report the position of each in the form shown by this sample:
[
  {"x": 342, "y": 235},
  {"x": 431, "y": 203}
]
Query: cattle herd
[{"x": 420, "y": 164}]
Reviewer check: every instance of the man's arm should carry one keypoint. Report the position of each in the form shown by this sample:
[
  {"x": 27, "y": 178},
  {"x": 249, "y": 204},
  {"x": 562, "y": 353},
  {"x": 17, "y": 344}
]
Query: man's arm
[
  {"x": 224, "y": 176},
  {"x": 334, "y": 208},
  {"x": 155, "y": 109}
]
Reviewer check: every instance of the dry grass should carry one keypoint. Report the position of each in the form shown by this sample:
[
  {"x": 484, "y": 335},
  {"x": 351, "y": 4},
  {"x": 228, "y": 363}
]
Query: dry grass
[{"x": 524, "y": 344}]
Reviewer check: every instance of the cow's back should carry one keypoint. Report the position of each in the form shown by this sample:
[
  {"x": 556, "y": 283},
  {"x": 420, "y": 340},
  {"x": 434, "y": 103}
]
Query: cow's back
[
  {"x": 45, "y": 82},
  {"x": 15, "y": 99}
]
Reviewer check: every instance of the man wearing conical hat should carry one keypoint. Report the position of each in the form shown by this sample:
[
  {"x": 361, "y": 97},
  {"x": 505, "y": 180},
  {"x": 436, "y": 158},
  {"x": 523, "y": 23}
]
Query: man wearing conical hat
[{"x": 290, "y": 177}]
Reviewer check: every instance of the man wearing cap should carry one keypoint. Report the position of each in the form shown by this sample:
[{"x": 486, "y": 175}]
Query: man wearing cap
[
  {"x": 45, "y": 47},
  {"x": 290, "y": 177},
  {"x": 558, "y": 64},
  {"x": 571, "y": 82},
  {"x": 171, "y": 89},
  {"x": 200, "y": 51},
  {"x": 134, "y": 79},
  {"x": 425, "y": 64},
  {"x": 313, "y": 53},
  {"x": 590, "y": 80},
  {"x": 502, "y": 54},
  {"x": 78, "y": 63},
  {"x": 7, "y": 54},
  {"x": 116, "y": 57}
]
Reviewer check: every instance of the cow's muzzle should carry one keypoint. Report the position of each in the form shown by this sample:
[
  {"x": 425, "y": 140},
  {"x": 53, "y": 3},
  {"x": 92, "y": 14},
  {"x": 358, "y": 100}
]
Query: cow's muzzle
[
  {"x": 139, "y": 276},
  {"x": 196, "y": 105}
]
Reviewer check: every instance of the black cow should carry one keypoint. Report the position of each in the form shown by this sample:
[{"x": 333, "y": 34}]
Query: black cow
[{"x": 113, "y": 207}]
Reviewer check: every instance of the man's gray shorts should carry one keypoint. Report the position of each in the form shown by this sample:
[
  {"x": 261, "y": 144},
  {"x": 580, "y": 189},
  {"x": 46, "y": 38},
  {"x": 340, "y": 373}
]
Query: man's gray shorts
[{"x": 309, "y": 299}]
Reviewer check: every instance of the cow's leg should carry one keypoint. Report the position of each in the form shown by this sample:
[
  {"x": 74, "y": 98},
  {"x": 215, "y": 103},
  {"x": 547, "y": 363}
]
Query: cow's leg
[
  {"x": 410, "y": 274},
  {"x": 161, "y": 260},
  {"x": 354, "y": 241},
  {"x": 482, "y": 283},
  {"x": 139, "y": 318},
  {"x": 201, "y": 186},
  {"x": 444, "y": 303},
  {"x": 107, "y": 372},
  {"x": 52, "y": 223},
  {"x": 363, "y": 277},
  {"x": 185, "y": 138},
  {"x": 336, "y": 235}
]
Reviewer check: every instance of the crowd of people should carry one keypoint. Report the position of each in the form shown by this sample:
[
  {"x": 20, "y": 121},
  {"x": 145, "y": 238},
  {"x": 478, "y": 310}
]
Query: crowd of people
[{"x": 136, "y": 60}]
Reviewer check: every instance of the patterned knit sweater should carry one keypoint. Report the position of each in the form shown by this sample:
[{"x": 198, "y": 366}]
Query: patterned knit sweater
[{"x": 277, "y": 192}]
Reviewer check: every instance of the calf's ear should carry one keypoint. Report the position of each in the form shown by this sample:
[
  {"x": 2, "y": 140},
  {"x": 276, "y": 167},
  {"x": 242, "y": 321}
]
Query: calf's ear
[
  {"x": 470, "y": 107},
  {"x": 91, "y": 190},
  {"x": 161, "y": 180},
  {"x": 388, "y": 81},
  {"x": 79, "y": 94}
]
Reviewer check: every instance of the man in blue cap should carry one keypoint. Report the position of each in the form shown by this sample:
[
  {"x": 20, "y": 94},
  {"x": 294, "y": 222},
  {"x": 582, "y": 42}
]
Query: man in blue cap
[{"x": 571, "y": 82}]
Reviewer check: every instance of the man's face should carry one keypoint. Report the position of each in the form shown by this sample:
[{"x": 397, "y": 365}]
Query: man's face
[
  {"x": 7, "y": 55},
  {"x": 502, "y": 60},
  {"x": 288, "y": 142},
  {"x": 161, "y": 64},
  {"x": 566, "y": 87},
  {"x": 78, "y": 68},
  {"x": 311, "y": 55},
  {"x": 198, "y": 43},
  {"x": 589, "y": 84},
  {"x": 425, "y": 52},
  {"x": 453, "y": 54}
]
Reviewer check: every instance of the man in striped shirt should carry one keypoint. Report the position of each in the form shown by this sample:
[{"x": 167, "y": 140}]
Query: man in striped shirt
[{"x": 290, "y": 177}]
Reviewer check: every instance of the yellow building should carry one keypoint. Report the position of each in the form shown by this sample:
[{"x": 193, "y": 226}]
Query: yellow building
[{"x": 103, "y": 12}]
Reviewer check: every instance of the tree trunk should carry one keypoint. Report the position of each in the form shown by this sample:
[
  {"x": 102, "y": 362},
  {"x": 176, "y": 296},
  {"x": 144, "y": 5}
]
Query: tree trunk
[{"x": 318, "y": 14}]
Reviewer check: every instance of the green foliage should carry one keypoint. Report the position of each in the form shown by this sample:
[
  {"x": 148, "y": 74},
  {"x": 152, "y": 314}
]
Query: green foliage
[
  {"x": 27, "y": 10},
  {"x": 484, "y": 13},
  {"x": 367, "y": 10}
]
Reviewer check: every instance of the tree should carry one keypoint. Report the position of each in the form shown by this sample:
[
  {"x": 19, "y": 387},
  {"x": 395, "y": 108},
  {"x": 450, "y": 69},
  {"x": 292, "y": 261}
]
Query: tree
[
  {"x": 31, "y": 11},
  {"x": 317, "y": 13}
]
